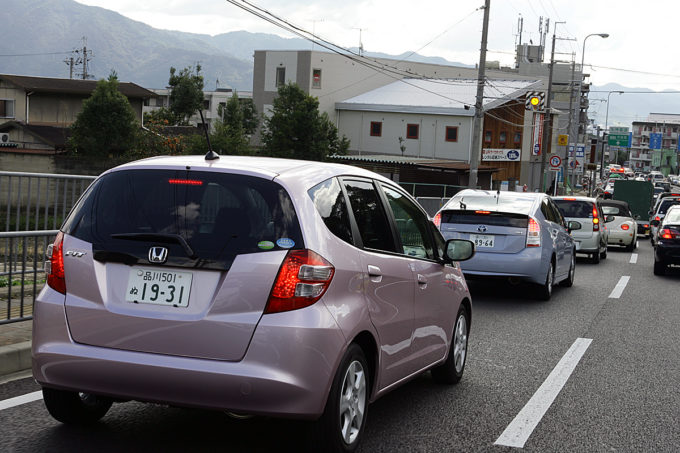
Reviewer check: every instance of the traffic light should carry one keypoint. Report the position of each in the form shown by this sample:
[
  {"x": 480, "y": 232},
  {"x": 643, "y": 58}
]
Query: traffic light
[{"x": 535, "y": 100}]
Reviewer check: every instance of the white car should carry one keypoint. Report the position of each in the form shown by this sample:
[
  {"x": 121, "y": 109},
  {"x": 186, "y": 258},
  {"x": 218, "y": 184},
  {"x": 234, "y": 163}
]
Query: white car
[{"x": 620, "y": 224}]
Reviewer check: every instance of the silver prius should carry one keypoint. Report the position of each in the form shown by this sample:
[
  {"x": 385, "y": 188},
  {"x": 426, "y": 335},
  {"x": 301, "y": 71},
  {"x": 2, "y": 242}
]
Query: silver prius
[
  {"x": 251, "y": 285},
  {"x": 516, "y": 235}
]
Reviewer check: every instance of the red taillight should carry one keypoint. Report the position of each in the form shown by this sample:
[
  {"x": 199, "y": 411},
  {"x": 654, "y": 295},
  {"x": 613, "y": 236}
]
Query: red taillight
[
  {"x": 669, "y": 234},
  {"x": 186, "y": 182},
  {"x": 625, "y": 227},
  {"x": 303, "y": 278},
  {"x": 54, "y": 268},
  {"x": 596, "y": 220},
  {"x": 657, "y": 218},
  {"x": 437, "y": 220},
  {"x": 533, "y": 233}
]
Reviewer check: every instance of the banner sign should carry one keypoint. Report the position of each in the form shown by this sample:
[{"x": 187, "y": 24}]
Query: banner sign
[{"x": 507, "y": 155}]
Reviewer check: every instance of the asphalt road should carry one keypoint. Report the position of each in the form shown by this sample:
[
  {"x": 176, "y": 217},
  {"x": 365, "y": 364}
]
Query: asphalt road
[{"x": 621, "y": 396}]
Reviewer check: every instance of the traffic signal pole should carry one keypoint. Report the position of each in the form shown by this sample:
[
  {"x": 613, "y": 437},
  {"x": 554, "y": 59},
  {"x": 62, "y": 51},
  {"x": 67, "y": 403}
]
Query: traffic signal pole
[{"x": 546, "y": 120}]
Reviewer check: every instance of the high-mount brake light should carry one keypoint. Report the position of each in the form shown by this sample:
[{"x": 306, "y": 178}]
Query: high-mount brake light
[
  {"x": 54, "y": 266},
  {"x": 437, "y": 220},
  {"x": 303, "y": 278},
  {"x": 569, "y": 198},
  {"x": 186, "y": 182},
  {"x": 483, "y": 212},
  {"x": 533, "y": 233}
]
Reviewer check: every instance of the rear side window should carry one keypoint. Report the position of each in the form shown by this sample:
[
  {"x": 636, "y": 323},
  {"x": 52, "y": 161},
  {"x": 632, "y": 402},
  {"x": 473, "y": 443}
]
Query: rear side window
[
  {"x": 665, "y": 204},
  {"x": 575, "y": 208},
  {"x": 330, "y": 203},
  {"x": 369, "y": 215},
  {"x": 412, "y": 225},
  {"x": 219, "y": 215}
]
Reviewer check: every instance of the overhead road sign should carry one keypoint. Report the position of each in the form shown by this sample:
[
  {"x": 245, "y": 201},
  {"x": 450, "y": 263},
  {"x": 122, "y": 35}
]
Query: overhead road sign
[
  {"x": 618, "y": 140},
  {"x": 655, "y": 140}
]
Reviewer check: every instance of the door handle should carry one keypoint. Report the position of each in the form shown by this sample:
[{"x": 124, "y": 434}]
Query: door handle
[
  {"x": 374, "y": 273},
  {"x": 422, "y": 280}
]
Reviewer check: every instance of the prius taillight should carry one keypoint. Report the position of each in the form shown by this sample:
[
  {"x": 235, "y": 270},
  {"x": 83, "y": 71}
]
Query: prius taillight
[{"x": 533, "y": 233}]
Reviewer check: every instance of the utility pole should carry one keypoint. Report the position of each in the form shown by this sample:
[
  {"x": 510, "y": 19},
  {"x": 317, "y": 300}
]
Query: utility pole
[
  {"x": 479, "y": 103},
  {"x": 546, "y": 120},
  {"x": 565, "y": 163},
  {"x": 69, "y": 62}
]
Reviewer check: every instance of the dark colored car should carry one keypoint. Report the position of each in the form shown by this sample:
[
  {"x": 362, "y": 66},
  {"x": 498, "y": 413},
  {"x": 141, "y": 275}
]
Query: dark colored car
[{"x": 667, "y": 248}]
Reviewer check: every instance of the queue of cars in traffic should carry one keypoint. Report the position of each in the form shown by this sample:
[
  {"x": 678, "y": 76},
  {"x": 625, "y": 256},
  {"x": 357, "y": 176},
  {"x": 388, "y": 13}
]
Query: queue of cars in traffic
[{"x": 295, "y": 289}]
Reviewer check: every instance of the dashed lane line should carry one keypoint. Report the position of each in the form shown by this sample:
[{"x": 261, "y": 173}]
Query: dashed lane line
[
  {"x": 620, "y": 286},
  {"x": 19, "y": 400},
  {"x": 519, "y": 430},
  {"x": 633, "y": 258}
]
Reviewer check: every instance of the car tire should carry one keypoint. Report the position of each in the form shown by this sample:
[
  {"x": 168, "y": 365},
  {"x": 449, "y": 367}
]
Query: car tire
[
  {"x": 340, "y": 427},
  {"x": 659, "y": 268},
  {"x": 73, "y": 408},
  {"x": 544, "y": 291},
  {"x": 603, "y": 255},
  {"x": 630, "y": 247},
  {"x": 451, "y": 371},
  {"x": 569, "y": 281},
  {"x": 595, "y": 257}
]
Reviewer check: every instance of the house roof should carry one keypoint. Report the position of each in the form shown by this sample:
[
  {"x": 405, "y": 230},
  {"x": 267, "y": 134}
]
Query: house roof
[
  {"x": 71, "y": 86},
  {"x": 50, "y": 135},
  {"x": 415, "y": 161},
  {"x": 437, "y": 96}
]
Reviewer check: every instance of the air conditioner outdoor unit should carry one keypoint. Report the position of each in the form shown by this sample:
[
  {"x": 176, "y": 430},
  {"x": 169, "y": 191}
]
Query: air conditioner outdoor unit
[{"x": 4, "y": 137}]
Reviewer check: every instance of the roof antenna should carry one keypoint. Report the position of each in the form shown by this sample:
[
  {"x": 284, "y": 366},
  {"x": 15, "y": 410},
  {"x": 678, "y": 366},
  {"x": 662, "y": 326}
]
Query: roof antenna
[{"x": 210, "y": 155}]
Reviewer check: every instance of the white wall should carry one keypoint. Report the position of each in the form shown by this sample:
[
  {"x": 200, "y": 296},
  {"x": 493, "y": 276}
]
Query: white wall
[
  {"x": 355, "y": 125},
  {"x": 275, "y": 60}
]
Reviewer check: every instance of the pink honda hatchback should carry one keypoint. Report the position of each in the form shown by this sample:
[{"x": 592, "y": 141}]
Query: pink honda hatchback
[{"x": 252, "y": 285}]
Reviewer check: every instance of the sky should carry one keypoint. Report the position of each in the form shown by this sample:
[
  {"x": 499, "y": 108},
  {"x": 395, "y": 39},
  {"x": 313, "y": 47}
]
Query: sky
[{"x": 640, "y": 46}]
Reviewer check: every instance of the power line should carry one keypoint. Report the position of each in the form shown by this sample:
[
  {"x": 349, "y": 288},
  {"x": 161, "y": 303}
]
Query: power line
[{"x": 34, "y": 54}]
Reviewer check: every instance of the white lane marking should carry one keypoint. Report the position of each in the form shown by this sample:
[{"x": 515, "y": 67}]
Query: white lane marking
[
  {"x": 633, "y": 258},
  {"x": 19, "y": 400},
  {"x": 519, "y": 430},
  {"x": 620, "y": 286}
]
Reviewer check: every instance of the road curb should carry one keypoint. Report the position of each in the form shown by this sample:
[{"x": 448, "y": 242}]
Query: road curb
[{"x": 15, "y": 357}]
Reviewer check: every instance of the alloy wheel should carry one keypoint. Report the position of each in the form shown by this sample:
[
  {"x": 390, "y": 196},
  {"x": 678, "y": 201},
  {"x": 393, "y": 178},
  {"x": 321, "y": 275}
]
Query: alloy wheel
[
  {"x": 460, "y": 343},
  {"x": 352, "y": 402}
]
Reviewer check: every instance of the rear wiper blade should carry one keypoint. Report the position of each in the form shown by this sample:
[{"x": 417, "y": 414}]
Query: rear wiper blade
[{"x": 160, "y": 237}]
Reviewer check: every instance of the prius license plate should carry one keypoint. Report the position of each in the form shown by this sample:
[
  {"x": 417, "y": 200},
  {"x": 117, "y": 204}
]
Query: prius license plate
[
  {"x": 482, "y": 240},
  {"x": 159, "y": 287}
]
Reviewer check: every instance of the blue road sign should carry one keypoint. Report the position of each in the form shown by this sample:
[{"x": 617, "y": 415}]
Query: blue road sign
[{"x": 655, "y": 141}]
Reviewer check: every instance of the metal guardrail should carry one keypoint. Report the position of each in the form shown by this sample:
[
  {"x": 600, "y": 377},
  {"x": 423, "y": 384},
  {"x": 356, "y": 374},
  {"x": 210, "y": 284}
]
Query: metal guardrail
[
  {"x": 22, "y": 275},
  {"x": 35, "y": 201}
]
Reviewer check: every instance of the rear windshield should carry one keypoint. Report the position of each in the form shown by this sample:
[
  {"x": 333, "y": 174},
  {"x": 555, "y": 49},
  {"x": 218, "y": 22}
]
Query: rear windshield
[
  {"x": 665, "y": 204},
  {"x": 495, "y": 203},
  {"x": 673, "y": 217},
  {"x": 218, "y": 215},
  {"x": 575, "y": 208},
  {"x": 490, "y": 218},
  {"x": 615, "y": 210}
]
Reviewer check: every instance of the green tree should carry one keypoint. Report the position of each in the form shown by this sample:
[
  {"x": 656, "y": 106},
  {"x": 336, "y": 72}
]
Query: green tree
[
  {"x": 186, "y": 95},
  {"x": 240, "y": 109},
  {"x": 296, "y": 129},
  {"x": 107, "y": 124}
]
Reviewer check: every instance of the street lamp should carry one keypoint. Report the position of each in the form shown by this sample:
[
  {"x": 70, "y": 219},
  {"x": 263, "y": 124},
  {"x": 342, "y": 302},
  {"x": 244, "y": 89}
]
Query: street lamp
[
  {"x": 606, "y": 131},
  {"x": 580, "y": 86}
]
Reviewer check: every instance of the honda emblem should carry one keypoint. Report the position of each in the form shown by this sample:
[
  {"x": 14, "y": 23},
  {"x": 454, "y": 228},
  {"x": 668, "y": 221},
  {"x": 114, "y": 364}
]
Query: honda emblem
[{"x": 158, "y": 255}]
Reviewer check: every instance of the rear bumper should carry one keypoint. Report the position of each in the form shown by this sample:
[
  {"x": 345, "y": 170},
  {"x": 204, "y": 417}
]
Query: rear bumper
[
  {"x": 667, "y": 253},
  {"x": 286, "y": 372},
  {"x": 587, "y": 244},
  {"x": 527, "y": 264},
  {"x": 621, "y": 237}
]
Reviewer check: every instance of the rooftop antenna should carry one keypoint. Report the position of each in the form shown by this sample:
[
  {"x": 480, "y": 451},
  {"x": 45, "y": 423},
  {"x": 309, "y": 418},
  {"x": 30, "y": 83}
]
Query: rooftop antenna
[
  {"x": 210, "y": 155},
  {"x": 361, "y": 45}
]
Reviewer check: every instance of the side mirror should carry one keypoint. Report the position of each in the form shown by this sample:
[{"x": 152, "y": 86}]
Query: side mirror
[
  {"x": 654, "y": 222},
  {"x": 609, "y": 218},
  {"x": 573, "y": 225},
  {"x": 637, "y": 217},
  {"x": 459, "y": 250}
]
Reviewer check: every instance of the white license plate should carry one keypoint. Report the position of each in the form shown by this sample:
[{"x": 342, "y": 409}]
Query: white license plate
[
  {"x": 482, "y": 240},
  {"x": 159, "y": 287}
]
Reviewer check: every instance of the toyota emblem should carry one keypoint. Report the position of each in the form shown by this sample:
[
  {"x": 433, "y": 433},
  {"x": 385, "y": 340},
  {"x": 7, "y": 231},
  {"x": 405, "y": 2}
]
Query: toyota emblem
[{"x": 481, "y": 228}]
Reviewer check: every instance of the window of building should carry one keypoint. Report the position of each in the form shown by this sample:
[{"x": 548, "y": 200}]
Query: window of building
[
  {"x": 376, "y": 128},
  {"x": 503, "y": 137},
  {"x": 412, "y": 131},
  {"x": 451, "y": 134},
  {"x": 280, "y": 76},
  {"x": 6, "y": 108},
  {"x": 518, "y": 139},
  {"x": 206, "y": 104},
  {"x": 487, "y": 137},
  {"x": 316, "y": 78}
]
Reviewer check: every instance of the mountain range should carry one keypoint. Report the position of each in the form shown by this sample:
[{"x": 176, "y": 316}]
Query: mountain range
[{"x": 41, "y": 35}]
